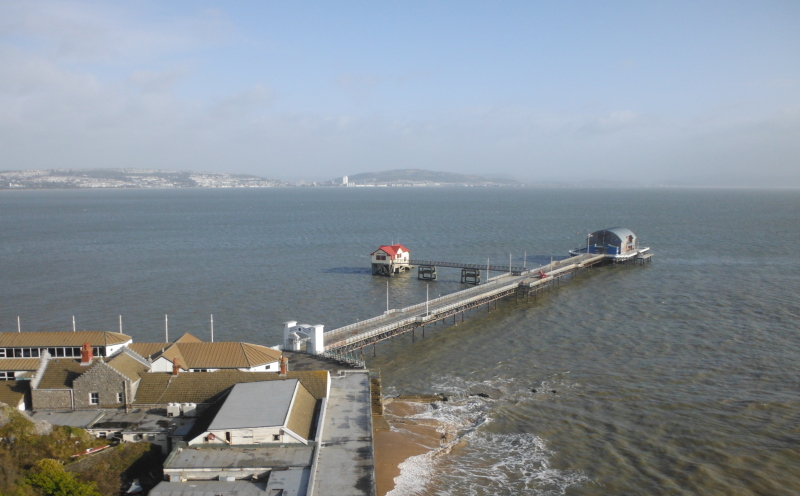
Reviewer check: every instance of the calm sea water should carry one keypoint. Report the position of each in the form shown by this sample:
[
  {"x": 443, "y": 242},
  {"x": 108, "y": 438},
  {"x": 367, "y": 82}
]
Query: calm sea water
[{"x": 679, "y": 377}]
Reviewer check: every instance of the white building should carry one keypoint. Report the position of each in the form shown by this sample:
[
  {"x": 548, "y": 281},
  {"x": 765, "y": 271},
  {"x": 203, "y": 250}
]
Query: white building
[
  {"x": 296, "y": 335},
  {"x": 390, "y": 259},
  {"x": 261, "y": 413},
  {"x": 193, "y": 355}
]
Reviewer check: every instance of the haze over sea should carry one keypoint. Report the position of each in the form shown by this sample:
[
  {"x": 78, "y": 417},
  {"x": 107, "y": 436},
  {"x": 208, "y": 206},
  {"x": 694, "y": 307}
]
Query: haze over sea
[{"x": 678, "y": 377}]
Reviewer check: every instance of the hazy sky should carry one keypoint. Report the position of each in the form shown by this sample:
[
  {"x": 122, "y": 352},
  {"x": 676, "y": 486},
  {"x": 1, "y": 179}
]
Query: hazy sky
[{"x": 699, "y": 91}]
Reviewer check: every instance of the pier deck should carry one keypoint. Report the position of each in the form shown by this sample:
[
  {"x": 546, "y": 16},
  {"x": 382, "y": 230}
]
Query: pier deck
[
  {"x": 338, "y": 343},
  {"x": 459, "y": 265}
]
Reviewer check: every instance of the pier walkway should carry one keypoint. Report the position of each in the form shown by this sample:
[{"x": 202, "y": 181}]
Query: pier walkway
[
  {"x": 459, "y": 265},
  {"x": 345, "y": 343}
]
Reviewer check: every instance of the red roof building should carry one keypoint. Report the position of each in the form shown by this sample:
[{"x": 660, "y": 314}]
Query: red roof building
[{"x": 390, "y": 259}]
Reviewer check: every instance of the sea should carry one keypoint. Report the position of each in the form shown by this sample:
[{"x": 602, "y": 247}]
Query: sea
[{"x": 681, "y": 376}]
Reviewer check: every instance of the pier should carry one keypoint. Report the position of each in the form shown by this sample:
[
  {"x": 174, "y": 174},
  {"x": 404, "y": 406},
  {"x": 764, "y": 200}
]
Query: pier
[{"x": 346, "y": 344}]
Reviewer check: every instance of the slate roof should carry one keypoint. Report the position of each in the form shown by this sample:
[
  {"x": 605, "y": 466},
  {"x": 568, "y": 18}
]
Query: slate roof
[
  {"x": 227, "y": 355},
  {"x": 256, "y": 404},
  {"x": 302, "y": 414},
  {"x": 45, "y": 339},
  {"x": 19, "y": 363},
  {"x": 151, "y": 350},
  {"x": 60, "y": 373},
  {"x": 13, "y": 392},
  {"x": 128, "y": 366},
  {"x": 160, "y": 388},
  {"x": 203, "y": 355},
  {"x": 148, "y": 350}
]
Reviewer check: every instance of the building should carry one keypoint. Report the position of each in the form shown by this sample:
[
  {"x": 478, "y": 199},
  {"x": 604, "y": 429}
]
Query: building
[
  {"x": 14, "y": 394},
  {"x": 337, "y": 458},
  {"x": 390, "y": 259},
  {"x": 159, "y": 391},
  {"x": 60, "y": 344},
  {"x": 193, "y": 355},
  {"x": 618, "y": 244},
  {"x": 88, "y": 383},
  {"x": 262, "y": 412},
  {"x": 18, "y": 368},
  {"x": 296, "y": 337}
]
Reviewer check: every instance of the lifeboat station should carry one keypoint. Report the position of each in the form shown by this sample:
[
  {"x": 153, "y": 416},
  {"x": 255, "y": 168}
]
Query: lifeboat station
[
  {"x": 390, "y": 259},
  {"x": 617, "y": 244}
]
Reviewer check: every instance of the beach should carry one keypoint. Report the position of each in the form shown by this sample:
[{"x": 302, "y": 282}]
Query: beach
[{"x": 401, "y": 438}]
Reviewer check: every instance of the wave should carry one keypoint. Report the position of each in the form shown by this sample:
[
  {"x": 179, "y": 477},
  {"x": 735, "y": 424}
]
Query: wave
[{"x": 471, "y": 459}]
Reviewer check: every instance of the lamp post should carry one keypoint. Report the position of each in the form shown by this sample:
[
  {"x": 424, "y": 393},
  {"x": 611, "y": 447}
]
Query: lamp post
[{"x": 427, "y": 297}]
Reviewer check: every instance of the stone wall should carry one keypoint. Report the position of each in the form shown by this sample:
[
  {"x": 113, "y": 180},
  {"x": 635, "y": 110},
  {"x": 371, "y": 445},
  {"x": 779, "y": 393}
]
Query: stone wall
[
  {"x": 104, "y": 380},
  {"x": 51, "y": 399}
]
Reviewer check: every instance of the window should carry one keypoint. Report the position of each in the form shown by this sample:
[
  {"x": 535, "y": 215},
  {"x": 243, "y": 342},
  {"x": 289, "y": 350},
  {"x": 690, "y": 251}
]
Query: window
[
  {"x": 6, "y": 375},
  {"x": 151, "y": 437},
  {"x": 276, "y": 437},
  {"x": 2, "y": 352},
  {"x": 119, "y": 397},
  {"x": 94, "y": 398}
]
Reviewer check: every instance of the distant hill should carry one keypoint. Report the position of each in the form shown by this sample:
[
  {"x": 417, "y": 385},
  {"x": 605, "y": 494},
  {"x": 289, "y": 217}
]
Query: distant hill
[{"x": 420, "y": 177}]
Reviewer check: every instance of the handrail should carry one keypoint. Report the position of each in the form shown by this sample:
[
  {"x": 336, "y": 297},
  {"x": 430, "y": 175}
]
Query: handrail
[
  {"x": 526, "y": 274},
  {"x": 459, "y": 265}
]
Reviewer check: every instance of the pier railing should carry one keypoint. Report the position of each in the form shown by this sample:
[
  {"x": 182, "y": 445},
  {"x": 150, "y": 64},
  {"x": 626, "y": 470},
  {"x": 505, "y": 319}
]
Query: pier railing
[
  {"x": 419, "y": 306},
  {"x": 416, "y": 315},
  {"x": 420, "y": 318},
  {"x": 459, "y": 265}
]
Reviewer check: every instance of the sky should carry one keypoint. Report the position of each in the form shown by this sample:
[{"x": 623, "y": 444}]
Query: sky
[{"x": 695, "y": 93}]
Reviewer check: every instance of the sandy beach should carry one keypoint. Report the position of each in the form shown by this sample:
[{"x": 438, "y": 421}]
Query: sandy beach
[{"x": 401, "y": 439}]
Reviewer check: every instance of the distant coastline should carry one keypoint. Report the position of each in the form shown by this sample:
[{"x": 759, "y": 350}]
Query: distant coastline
[{"x": 154, "y": 178}]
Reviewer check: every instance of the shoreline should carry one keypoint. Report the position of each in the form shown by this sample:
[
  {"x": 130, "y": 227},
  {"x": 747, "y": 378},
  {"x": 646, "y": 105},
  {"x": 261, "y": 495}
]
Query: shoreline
[{"x": 404, "y": 438}]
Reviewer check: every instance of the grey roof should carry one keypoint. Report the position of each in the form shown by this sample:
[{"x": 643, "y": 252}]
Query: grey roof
[
  {"x": 620, "y": 232},
  {"x": 229, "y": 458},
  {"x": 256, "y": 404},
  {"x": 77, "y": 418},
  {"x": 292, "y": 481},
  {"x": 209, "y": 488},
  {"x": 346, "y": 464}
]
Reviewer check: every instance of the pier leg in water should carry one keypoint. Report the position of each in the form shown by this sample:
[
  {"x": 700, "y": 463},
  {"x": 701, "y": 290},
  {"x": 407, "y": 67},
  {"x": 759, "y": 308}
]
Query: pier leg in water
[
  {"x": 373, "y": 349},
  {"x": 412, "y": 334},
  {"x": 423, "y": 332}
]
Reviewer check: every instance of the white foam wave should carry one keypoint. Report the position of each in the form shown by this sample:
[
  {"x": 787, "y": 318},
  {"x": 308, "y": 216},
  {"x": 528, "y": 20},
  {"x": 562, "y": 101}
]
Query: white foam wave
[
  {"x": 482, "y": 463},
  {"x": 504, "y": 464}
]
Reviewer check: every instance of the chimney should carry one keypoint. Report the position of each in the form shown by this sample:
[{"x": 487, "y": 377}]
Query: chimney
[
  {"x": 284, "y": 365},
  {"x": 176, "y": 369},
  {"x": 86, "y": 354}
]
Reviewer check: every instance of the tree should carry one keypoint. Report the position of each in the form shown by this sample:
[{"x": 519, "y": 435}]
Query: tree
[{"x": 49, "y": 476}]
